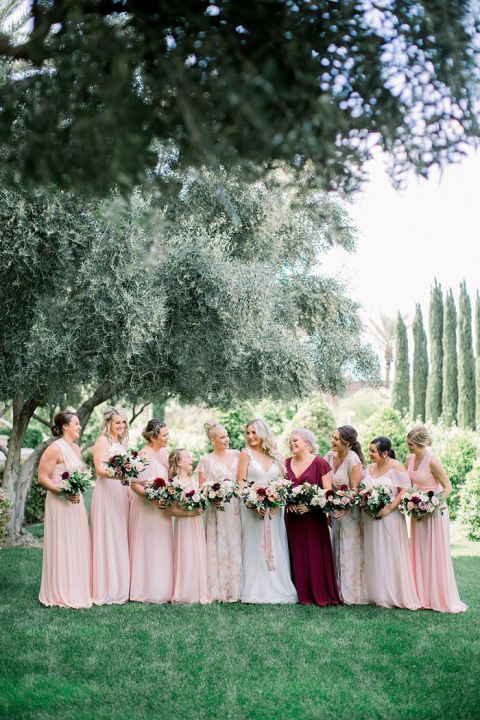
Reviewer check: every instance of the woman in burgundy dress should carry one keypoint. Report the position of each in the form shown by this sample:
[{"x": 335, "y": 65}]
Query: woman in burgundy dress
[{"x": 311, "y": 558}]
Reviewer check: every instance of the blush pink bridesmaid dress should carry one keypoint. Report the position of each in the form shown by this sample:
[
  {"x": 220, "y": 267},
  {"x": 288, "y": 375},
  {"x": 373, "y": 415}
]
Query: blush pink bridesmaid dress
[
  {"x": 430, "y": 549},
  {"x": 109, "y": 527},
  {"x": 66, "y": 569},
  {"x": 151, "y": 544},
  {"x": 190, "y": 575}
]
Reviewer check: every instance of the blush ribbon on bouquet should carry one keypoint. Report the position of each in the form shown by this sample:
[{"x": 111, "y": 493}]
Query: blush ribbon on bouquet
[{"x": 267, "y": 541}]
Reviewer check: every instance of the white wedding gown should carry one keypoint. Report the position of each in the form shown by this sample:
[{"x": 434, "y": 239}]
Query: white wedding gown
[{"x": 261, "y": 585}]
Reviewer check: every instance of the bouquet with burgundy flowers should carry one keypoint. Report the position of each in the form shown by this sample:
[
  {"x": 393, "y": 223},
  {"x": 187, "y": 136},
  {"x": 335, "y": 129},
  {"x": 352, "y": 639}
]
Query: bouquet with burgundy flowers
[
  {"x": 220, "y": 492},
  {"x": 74, "y": 483},
  {"x": 127, "y": 467},
  {"x": 373, "y": 499},
  {"x": 188, "y": 496},
  {"x": 419, "y": 504},
  {"x": 160, "y": 490},
  {"x": 261, "y": 498}
]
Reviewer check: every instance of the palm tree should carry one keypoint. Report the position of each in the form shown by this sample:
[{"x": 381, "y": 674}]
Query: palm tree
[{"x": 384, "y": 333}]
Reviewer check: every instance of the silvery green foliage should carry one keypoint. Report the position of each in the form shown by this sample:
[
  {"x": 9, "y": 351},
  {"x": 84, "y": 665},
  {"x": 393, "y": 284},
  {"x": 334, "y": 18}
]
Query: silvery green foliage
[
  {"x": 237, "y": 84},
  {"x": 401, "y": 381}
]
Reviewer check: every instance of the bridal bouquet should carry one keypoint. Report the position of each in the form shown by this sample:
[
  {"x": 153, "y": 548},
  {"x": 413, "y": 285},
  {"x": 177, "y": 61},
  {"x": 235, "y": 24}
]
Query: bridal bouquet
[
  {"x": 74, "y": 483},
  {"x": 126, "y": 466},
  {"x": 334, "y": 500},
  {"x": 220, "y": 492},
  {"x": 188, "y": 496},
  {"x": 419, "y": 504},
  {"x": 260, "y": 498},
  {"x": 302, "y": 494},
  {"x": 160, "y": 490},
  {"x": 374, "y": 499}
]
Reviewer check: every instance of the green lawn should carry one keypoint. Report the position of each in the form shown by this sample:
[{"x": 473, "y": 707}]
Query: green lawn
[{"x": 137, "y": 661}]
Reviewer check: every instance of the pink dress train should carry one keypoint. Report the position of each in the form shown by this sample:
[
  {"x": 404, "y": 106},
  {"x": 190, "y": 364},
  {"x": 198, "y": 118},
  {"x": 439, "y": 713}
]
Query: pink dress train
[
  {"x": 151, "y": 545},
  {"x": 430, "y": 549},
  {"x": 190, "y": 574},
  {"x": 66, "y": 569},
  {"x": 224, "y": 536},
  {"x": 109, "y": 527},
  {"x": 388, "y": 567}
]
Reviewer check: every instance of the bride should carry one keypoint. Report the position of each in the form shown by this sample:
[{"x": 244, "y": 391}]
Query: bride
[{"x": 266, "y": 564}]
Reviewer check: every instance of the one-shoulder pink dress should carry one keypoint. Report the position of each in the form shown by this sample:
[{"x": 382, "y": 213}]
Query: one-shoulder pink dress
[
  {"x": 109, "y": 526},
  {"x": 151, "y": 544},
  {"x": 430, "y": 549},
  {"x": 66, "y": 569}
]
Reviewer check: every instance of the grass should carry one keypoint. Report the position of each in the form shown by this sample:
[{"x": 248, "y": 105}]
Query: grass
[{"x": 235, "y": 662}]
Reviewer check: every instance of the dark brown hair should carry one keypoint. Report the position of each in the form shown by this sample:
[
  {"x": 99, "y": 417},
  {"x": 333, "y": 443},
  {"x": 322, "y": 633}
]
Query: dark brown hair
[
  {"x": 384, "y": 444},
  {"x": 60, "y": 420},
  {"x": 349, "y": 436},
  {"x": 152, "y": 430}
]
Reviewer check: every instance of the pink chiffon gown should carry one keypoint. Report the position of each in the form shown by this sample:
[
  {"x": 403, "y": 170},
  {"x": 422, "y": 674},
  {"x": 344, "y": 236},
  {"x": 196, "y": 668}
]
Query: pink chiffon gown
[
  {"x": 66, "y": 569},
  {"x": 151, "y": 544},
  {"x": 430, "y": 549},
  {"x": 109, "y": 527},
  {"x": 388, "y": 568},
  {"x": 224, "y": 535},
  {"x": 190, "y": 567}
]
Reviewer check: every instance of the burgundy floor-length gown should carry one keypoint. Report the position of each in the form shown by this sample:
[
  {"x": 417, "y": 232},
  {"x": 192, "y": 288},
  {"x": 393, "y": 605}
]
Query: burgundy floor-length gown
[{"x": 311, "y": 557}]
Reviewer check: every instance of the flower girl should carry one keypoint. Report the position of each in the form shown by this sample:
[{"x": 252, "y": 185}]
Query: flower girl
[{"x": 190, "y": 582}]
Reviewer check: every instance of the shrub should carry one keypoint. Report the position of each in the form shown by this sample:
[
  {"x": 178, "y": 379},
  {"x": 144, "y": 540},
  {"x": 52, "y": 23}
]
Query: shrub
[
  {"x": 469, "y": 505},
  {"x": 315, "y": 415},
  {"x": 5, "y": 508},
  {"x": 386, "y": 422},
  {"x": 35, "y": 505},
  {"x": 457, "y": 450},
  {"x": 33, "y": 437}
]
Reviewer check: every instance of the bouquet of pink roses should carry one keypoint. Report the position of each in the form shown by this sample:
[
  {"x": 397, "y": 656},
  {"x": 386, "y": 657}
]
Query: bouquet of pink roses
[
  {"x": 74, "y": 483},
  {"x": 126, "y": 466},
  {"x": 374, "y": 499},
  {"x": 188, "y": 496},
  {"x": 160, "y": 490},
  {"x": 419, "y": 504},
  {"x": 220, "y": 492},
  {"x": 301, "y": 494},
  {"x": 260, "y": 498}
]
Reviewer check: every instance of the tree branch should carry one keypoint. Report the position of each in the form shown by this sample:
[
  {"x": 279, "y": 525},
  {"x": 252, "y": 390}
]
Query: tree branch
[
  {"x": 41, "y": 420},
  {"x": 5, "y": 409},
  {"x": 135, "y": 415}
]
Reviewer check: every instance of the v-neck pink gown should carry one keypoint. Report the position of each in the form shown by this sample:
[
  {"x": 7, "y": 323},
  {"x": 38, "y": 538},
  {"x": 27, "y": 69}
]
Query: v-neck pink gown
[
  {"x": 388, "y": 567},
  {"x": 430, "y": 549},
  {"x": 224, "y": 534},
  {"x": 109, "y": 526},
  {"x": 66, "y": 569},
  {"x": 151, "y": 544}
]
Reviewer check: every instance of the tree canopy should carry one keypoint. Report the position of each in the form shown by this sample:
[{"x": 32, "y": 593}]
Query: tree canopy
[{"x": 99, "y": 89}]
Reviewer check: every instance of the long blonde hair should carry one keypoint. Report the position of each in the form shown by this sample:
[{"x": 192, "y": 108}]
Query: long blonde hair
[
  {"x": 174, "y": 460},
  {"x": 107, "y": 425},
  {"x": 269, "y": 445}
]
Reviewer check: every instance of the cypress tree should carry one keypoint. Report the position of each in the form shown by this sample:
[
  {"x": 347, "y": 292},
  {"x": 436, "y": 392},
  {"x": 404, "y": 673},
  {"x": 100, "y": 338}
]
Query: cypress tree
[
  {"x": 477, "y": 339},
  {"x": 450, "y": 364},
  {"x": 401, "y": 381},
  {"x": 420, "y": 366},
  {"x": 466, "y": 362},
  {"x": 435, "y": 324}
]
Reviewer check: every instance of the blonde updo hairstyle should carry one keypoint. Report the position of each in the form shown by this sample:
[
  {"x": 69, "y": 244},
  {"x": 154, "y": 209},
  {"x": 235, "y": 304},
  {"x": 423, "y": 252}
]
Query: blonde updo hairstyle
[
  {"x": 211, "y": 428},
  {"x": 106, "y": 425},
  {"x": 269, "y": 446},
  {"x": 309, "y": 438},
  {"x": 174, "y": 460},
  {"x": 420, "y": 436},
  {"x": 152, "y": 429}
]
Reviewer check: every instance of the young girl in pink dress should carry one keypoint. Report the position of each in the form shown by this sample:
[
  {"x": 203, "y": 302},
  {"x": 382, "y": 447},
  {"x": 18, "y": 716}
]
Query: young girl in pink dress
[
  {"x": 150, "y": 527},
  {"x": 430, "y": 537},
  {"x": 224, "y": 533},
  {"x": 190, "y": 574},
  {"x": 66, "y": 570},
  {"x": 109, "y": 516}
]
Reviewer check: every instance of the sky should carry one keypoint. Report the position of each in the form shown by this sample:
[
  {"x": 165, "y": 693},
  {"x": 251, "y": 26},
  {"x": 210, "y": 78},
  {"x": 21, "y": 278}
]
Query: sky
[{"x": 407, "y": 238}]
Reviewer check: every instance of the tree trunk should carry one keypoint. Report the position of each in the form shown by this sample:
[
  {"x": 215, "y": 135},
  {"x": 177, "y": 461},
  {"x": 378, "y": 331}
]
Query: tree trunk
[
  {"x": 25, "y": 478},
  {"x": 12, "y": 475}
]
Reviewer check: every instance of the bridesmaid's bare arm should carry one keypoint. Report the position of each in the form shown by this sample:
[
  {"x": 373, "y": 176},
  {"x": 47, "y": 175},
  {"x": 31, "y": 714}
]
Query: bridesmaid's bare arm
[
  {"x": 243, "y": 467},
  {"x": 100, "y": 455},
  {"x": 327, "y": 481},
  {"x": 438, "y": 472},
  {"x": 51, "y": 457},
  {"x": 355, "y": 477}
]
